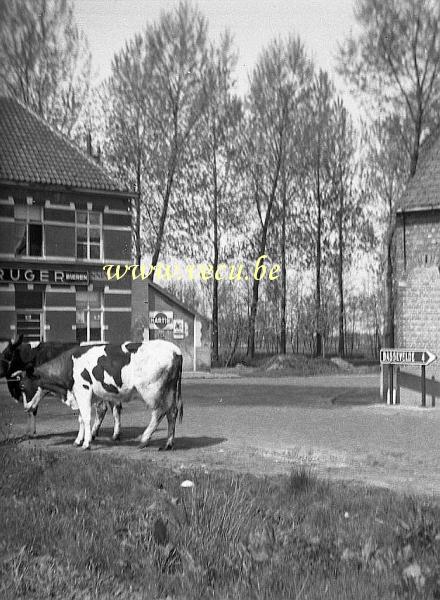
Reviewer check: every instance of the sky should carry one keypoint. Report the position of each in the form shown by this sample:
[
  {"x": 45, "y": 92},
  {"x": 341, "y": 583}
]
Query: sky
[{"x": 321, "y": 24}]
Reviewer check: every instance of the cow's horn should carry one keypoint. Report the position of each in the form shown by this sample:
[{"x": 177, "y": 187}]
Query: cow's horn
[{"x": 15, "y": 375}]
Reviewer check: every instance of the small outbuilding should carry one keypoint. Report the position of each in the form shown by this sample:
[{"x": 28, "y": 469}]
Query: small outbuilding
[
  {"x": 158, "y": 314},
  {"x": 417, "y": 272}
]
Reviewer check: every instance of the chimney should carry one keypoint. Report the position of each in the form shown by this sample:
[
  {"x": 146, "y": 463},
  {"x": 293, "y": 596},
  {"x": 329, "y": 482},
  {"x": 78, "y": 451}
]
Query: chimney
[{"x": 89, "y": 143}]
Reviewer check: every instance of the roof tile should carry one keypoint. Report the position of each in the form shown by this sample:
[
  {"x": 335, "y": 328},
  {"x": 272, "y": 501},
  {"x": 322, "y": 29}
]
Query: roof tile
[
  {"x": 32, "y": 151},
  {"x": 423, "y": 190}
]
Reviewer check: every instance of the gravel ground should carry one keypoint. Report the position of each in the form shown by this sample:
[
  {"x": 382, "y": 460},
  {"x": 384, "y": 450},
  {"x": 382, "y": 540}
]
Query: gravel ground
[{"x": 266, "y": 425}]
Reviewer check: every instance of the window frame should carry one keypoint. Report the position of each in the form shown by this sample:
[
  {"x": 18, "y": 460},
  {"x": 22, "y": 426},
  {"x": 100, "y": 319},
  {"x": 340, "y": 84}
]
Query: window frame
[
  {"x": 88, "y": 227},
  {"x": 88, "y": 310},
  {"x": 27, "y": 221}
]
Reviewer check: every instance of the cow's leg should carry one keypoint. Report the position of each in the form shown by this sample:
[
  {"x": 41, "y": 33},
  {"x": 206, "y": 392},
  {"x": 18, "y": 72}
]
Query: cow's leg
[
  {"x": 84, "y": 401},
  {"x": 80, "y": 436},
  {"x": 33, "y": 403},
  {"x": 116, "y": 409},
  {"x": 156, "y": 417},
  {"x": 31, "y": 410},
  {"x": 171, "y": 417},
  {"x": 32, "y": 426},
  {"x": 101, "y": 409}
]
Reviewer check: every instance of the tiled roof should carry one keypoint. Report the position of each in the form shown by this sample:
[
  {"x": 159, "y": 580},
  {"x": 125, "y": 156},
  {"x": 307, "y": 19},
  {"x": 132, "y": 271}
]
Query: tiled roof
[
  {"x": 31, "y": 151},
  {"x": 423, "y": 190}
]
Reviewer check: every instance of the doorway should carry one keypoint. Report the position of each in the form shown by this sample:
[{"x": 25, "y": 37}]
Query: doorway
[{"x": 29, "y": 314}]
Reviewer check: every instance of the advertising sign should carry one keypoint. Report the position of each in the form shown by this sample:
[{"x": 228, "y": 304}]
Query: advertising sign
[
  {"x": 161, "y": 319},
  {"x": 59, "y": 276},
  {"x": 178, "y": 331}
]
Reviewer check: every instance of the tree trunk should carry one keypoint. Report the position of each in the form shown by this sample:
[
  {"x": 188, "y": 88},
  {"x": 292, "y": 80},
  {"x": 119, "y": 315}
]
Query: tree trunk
[
  {"x": 214, "y": 335},
  {"x": 163, "y": 215},
  {"x": 256, "y": 282},
  {"x": 318, "y": 350},
  {"x": 138, "y": 214},
  {"x": 252, "y": 319},
  {"x": 341, "y": 341},
  {"x": 389, "y": 288},
  {"x": 283, "y": 344},
  {"x": 417, "y": 135}
]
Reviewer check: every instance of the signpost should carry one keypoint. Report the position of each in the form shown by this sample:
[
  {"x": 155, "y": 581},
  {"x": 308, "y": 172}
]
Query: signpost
[
  {"x": 397, "y": 357},
  {"x": 414, "y": 358}
]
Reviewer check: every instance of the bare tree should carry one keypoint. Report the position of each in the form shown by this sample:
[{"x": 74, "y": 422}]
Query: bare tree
[
  {"x": 316, "y": 184},
  {"x": 219, "y": 131},
  {"x": 44, "y": 59},
  {"x": 157, "y": 96},
  {"x": 395, "y": 64},
  {"x": 128, "y": 142},
  {"x": 277, "y": 86},
  {"x": 351, "y": 228},
  {"x": 177, "y": 56},
  {"x": 387, "y": 164}
]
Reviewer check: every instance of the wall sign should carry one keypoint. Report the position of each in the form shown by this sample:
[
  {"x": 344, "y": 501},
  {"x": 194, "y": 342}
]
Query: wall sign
[
  {"x": 161, "y": 319},
  {"x": 178, "y": 331},
  {"x": 21, "y": 275}
]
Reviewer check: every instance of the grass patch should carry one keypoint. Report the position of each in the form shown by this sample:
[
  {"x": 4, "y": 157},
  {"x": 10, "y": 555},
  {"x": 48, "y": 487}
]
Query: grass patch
[{"x": 83, "y": 525}]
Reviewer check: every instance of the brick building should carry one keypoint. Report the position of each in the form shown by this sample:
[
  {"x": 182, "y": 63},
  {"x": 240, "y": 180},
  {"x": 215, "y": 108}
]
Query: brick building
[
  {"x": 157, "y": 314},
  {"x": 61, "y": 218},
  {"x": 417, "y": 267}
]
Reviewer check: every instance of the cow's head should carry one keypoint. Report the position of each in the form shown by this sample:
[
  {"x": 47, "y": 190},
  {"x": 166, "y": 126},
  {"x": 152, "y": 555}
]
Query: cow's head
[
  {"x": 29, "y": 383},
  {"x": 7, "y": 355}
]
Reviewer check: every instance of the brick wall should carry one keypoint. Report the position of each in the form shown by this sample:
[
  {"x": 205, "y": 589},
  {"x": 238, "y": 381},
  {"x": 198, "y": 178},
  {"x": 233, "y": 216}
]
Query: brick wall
[
  {"x": 159, "y": 302},
  {"x": 417, "y": 316},
  {"x": 147, "y": 298}
]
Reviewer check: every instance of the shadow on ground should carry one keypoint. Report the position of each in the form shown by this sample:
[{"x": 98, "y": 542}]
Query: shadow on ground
[
  {"x": 357, "y": 397},
  {"x": 129, "y": 439},
  {"x": 261, "y": 395}
]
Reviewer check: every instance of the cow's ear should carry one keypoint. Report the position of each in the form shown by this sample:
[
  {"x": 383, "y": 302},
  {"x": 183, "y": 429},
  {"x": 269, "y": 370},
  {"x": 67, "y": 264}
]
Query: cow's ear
[
  {"x": 29, "y": 369},
  {"x": 18, "y": 340}
]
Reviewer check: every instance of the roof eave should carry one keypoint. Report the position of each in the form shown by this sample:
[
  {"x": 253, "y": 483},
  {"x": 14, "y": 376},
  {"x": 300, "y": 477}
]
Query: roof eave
[
  {"x": 417, "y": 209},
  {"x": 173, "y": 298},
  {"x": 66, "y": 188}
]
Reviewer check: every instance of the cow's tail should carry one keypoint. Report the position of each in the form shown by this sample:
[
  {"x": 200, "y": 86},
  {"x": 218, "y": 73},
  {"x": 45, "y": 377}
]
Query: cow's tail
[{"x": 179, "y": 390}]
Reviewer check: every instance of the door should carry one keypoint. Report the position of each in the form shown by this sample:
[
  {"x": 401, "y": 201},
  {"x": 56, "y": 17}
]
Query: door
[
  {"x": 29, "y": 324},
  {"x": 89, "y": 313},
  {"x": 29, "y": 313}
]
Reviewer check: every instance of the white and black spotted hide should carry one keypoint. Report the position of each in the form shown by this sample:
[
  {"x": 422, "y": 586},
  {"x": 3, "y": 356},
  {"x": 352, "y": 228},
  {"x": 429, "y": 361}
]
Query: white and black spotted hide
[
  {"x": 18, "y": 355},
  {"x": 114, "y": 373}
]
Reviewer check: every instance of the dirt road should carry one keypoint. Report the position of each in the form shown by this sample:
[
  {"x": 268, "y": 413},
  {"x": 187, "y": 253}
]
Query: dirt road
[{"x": 266, "y": 425}]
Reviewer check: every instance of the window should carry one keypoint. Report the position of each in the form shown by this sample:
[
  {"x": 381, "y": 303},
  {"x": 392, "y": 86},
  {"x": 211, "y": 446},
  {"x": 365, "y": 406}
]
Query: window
[
  {"x": 88, "y": 234},
  {"x": 89, "y": 319},
  {"x": 29, "y": 314},
  {"x": 28, "y": 230}
]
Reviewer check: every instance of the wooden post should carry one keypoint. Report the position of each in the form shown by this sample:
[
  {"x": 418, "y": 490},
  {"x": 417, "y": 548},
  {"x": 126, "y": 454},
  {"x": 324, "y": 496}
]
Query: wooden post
[
  {"x": 383, "y": 384},
  {"x": 397, "y": 385},
  {"x": 390, "y": 384},
  {"x": 423, "y": 386},
  {"x": 433, "y": 393}
]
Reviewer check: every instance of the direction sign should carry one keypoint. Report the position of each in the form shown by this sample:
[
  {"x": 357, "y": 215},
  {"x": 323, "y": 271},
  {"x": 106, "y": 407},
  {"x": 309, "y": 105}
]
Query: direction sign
[{"x": 405, "y": 356}]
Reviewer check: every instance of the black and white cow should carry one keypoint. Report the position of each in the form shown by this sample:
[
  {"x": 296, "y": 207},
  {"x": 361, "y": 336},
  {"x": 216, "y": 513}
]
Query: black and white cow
[
  {"x": 116, "y": 373},
  {"x": 18, "y": 356}
]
